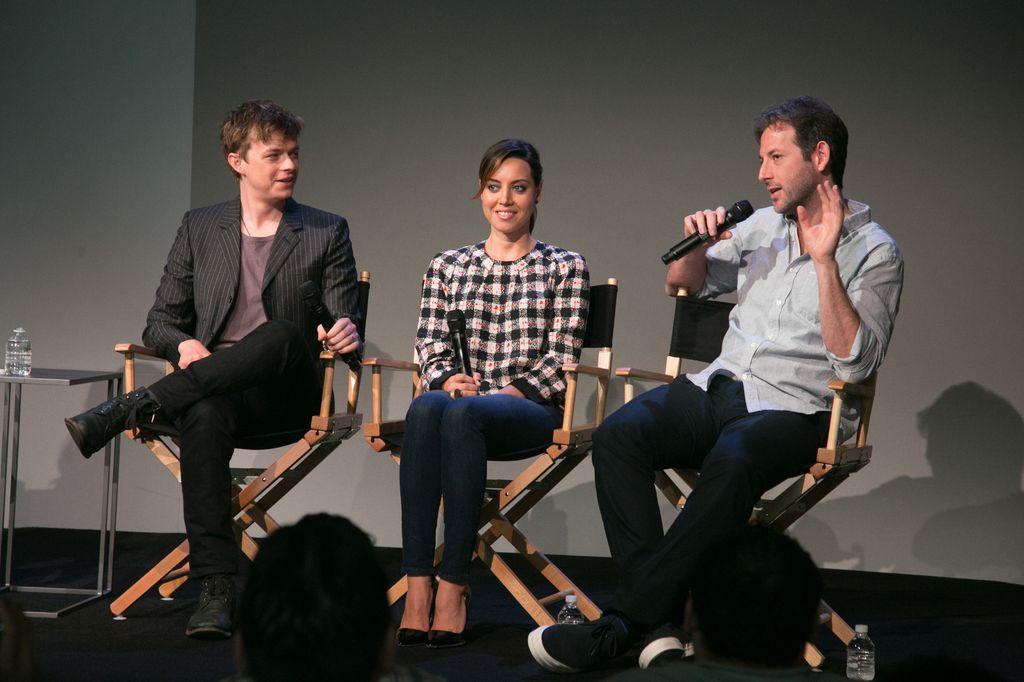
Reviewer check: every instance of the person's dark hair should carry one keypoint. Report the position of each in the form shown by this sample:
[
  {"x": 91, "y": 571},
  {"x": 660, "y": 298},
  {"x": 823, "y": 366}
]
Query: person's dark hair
[
  {"x": 813, "y": 121},
  {"x": 314, "y": 605},
  {"x": 755, "y": 594},
  {"x": 259, "y": 118},
  {"x": 512, "y": 148}
]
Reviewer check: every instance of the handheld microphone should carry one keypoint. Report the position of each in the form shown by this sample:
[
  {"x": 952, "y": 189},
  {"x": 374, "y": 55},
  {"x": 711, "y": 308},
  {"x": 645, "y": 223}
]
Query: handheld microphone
[
  {"x": 315, "y": 304},
  {"x": 460, "y": 343},
  {"x": 737, "y": 213}
]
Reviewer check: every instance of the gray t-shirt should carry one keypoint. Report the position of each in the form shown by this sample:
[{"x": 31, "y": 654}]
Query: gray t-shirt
[{"x": 247, "y": 313}]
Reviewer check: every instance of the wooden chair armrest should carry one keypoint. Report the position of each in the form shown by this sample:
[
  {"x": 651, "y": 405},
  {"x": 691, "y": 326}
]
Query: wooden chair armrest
[
  {"x": 388, "y": 363},
  {"x": 572, "y": 373},
  {"x": 591, "y": 370},
  {"x": 125, "y": 348},
  {"x": 583, "y": 433},
  {"x": 863, "y": 389},
  {"x": 355, "y": 377},
  {"x": 845, "y": 455},
  {"x": 636, "y": 373},
  {"x": 130, "y": 351},
  {"x": 384, "y": 428},
  {"x": 377, "y": 385}
]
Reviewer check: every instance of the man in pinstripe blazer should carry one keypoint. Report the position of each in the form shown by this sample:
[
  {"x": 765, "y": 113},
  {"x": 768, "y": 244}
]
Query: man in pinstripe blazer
[{"x": 230, "y": 315}]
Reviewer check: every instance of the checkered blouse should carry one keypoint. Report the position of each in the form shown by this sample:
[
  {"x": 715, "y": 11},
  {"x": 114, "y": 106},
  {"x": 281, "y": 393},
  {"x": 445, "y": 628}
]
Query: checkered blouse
[{"x": 524, "y": 318}]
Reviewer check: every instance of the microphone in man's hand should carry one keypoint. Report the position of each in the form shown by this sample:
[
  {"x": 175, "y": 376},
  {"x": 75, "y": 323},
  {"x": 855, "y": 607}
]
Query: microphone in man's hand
[
  {"x": 737, "y": 213},
  {"x": 315, "y": 304},
  {"x": 460, "y": 343}
]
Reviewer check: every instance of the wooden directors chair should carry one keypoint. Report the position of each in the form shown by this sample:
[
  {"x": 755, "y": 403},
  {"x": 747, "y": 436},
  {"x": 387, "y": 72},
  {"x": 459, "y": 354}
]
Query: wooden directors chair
[
  {"x": 508, "y": 501},
  {"x": 256, "y": 490},
  {"x": 697, "y": 332}
]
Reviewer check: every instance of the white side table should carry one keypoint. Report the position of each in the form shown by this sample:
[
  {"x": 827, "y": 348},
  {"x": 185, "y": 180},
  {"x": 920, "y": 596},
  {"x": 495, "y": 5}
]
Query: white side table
[{"x": 9, "y": 482}]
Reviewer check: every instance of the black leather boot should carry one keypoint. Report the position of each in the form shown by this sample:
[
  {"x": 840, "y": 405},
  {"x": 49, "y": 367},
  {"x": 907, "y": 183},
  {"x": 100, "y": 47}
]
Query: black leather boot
[
  {"x": 212, "y": 619},
  {"x": 94, "y": 428}
]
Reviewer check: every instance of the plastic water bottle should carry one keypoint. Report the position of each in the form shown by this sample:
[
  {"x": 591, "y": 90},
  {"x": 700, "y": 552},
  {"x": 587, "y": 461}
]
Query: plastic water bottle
[
  {"x": 18, "y": 359},
  {"x": 570, "y": 613},
  {"x": 860, "y": 656}
]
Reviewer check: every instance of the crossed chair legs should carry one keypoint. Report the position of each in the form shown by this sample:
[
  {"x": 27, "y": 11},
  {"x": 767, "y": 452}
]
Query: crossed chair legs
[
  {"x": 498, "y": 517},
  {"x": 250, "y": 504}
]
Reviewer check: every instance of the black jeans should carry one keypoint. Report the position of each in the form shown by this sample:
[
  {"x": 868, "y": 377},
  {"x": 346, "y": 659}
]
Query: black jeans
[
  {"x": 265, "y": 383},
  {"x": 740, "y": 456}
]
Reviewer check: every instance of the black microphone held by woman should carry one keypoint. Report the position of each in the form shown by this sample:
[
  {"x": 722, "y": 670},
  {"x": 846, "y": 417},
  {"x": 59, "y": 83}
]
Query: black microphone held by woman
[{"x": 460, "y": 343}]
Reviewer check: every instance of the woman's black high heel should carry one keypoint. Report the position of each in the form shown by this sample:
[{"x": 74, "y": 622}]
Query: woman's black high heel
[
  {"x": 412, "y": 636},
  {"x": 443, "y": 639}
]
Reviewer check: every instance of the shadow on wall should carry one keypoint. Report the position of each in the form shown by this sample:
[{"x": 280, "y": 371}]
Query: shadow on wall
[{"x": 946, "y": 524}]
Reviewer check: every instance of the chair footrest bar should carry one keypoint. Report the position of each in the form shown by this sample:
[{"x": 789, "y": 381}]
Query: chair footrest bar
[
  {"x": 556, "y": 597},
  {"x": 242, "y": 474}
]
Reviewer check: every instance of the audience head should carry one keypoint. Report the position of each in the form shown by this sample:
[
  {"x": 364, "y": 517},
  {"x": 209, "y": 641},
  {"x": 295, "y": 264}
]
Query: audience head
[
  {"x": 258, "y": 119},
  {"x": 813, "y": 121},
  {"x": 314, "y": 605},
  {"x": 754, "y": 599},
  {"x": 512, "y": 148}
]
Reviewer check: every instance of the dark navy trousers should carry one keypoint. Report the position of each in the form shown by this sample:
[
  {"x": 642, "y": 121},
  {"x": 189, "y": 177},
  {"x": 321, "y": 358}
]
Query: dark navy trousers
[{"x": 740, "y": 456}]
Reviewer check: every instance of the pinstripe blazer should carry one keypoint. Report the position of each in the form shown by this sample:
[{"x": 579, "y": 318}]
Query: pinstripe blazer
[{"x": 200, "y": 281}]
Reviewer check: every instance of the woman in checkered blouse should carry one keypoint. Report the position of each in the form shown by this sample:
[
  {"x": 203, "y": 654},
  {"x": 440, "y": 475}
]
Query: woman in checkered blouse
[{"x": 525, "y": 304}]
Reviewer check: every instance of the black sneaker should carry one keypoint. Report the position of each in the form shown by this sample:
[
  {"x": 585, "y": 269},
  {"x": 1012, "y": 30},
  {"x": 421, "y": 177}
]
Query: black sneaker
[
  {"x": 664, "y": 646},
  {"x": 573, "y": 648},
  {"x": 212, "y": 619}
]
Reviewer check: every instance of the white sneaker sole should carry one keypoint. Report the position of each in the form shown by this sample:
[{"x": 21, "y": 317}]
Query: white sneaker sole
[
  {"x": 543, "y": 658},
  {"x": 657, "y": 648}
]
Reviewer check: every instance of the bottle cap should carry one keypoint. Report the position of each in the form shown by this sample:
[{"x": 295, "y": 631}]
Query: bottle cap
[
  {"x": 570, "y": 598},
  {"x": 861, "y": 629}
]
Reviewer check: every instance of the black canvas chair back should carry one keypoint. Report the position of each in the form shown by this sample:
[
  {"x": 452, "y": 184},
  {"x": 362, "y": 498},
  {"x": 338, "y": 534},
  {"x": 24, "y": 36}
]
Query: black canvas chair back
[
  {"x": 601, "y": 317},
  {"x": 698, "y": 328}
]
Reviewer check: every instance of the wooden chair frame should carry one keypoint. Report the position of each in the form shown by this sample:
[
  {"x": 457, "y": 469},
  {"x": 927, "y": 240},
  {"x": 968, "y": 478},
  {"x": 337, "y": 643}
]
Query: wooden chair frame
[
  {"x": 834, "y": 464},
  {"x": 256, "y": 489},
  {"x": 510, "y": 500}
]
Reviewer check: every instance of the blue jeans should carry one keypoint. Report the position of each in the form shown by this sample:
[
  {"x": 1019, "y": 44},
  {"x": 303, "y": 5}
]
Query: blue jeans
[
  {"x": 740, "y": 456},
  {"x": 446, "y": 447}
]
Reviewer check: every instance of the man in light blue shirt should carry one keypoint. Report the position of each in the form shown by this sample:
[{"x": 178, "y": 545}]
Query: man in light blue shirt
[{"x": 817, "y": 284}]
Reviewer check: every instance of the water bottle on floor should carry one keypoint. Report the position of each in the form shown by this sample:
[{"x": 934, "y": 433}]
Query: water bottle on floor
[
  {"x": 860, "y": 656},
  {"x": 18, "y": 359},
  {"x": 570, "y": 613}
]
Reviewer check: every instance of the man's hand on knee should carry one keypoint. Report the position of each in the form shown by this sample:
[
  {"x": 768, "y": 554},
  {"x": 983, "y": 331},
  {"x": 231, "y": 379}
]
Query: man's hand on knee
[{"x": 189, "y": 351}]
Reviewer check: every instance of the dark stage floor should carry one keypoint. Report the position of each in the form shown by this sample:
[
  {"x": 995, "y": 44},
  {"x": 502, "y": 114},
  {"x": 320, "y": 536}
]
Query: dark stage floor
[{"x": 910, "y": 617}]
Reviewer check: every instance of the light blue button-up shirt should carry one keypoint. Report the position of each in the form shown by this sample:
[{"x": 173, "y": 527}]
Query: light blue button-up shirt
[{"x": 774, "y": 344}]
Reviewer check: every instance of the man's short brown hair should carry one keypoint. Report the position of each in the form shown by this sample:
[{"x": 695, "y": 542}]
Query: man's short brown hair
[
  {"x": 259, "y": 119},
  {"x": 813, "y": 121}
]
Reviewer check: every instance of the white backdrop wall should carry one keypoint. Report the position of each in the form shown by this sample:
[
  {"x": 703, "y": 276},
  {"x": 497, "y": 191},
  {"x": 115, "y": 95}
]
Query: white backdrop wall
[
  {"x": 641, "y": 113},
  {"x": 98, "y": 102}
]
